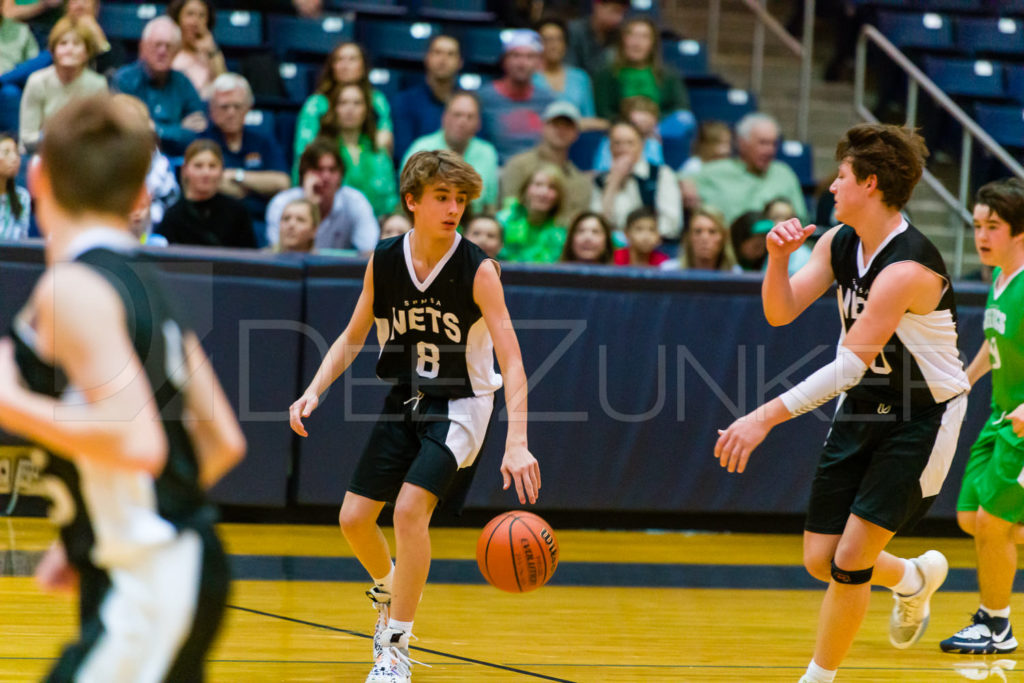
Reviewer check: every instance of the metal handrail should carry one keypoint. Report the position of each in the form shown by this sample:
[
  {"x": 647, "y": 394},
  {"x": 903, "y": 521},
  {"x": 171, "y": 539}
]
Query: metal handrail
[
  {"x": 971, "y": 130},
  {"x": 803, "y": 49}
]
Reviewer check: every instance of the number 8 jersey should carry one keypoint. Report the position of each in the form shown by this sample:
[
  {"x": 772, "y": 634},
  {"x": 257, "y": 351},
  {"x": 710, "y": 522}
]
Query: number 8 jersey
[{"x": 432, "y": 334}]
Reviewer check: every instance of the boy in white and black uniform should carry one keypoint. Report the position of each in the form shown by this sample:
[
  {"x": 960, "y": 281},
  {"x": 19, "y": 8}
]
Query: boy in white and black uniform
[
  {"x": 105, "y": 377},
  {"x": 901, "y": 385},
  {"x": 440, "y": 316}
]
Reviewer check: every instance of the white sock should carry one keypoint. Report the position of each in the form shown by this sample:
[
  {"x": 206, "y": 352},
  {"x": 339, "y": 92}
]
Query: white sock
[
  {"x": 911, "y": 582},
  {"x": 404, "y": 626},
  {"x": 385, "y": 583},
  {"x": 1002, "y": 613},
  {"x": 816, "y": 674}
]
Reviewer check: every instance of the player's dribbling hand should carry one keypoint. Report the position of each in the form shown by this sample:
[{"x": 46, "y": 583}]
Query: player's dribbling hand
[
  {"x": 1017, "y": 420},
  {"x": 738, "y": 441},
  {"x": 304, "y": 407},
  {"x": 520, "y": 466},
  {"x": 786, "y": 237}
]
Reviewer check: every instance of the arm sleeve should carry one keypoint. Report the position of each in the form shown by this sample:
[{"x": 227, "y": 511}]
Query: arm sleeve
[{"x": 825, "y": 383}]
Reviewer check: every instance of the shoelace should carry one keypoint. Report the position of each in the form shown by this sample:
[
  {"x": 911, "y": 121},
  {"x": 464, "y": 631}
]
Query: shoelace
[
  {"x": 907, "y": 608},
  {"x": 976, "y": 630},
  {"x": 415, "y": 400}
]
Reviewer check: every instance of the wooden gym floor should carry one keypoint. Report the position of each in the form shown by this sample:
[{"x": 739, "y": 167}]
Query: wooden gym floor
[{"x": 623, "y": 606}]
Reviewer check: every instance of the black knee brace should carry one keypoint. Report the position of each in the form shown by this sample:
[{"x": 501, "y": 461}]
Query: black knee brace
[{"x": 851, "y": 578}]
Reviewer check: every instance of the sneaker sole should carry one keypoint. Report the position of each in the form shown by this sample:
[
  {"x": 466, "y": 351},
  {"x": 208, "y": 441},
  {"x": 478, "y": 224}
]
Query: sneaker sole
[{"x": 990, "y": 650}]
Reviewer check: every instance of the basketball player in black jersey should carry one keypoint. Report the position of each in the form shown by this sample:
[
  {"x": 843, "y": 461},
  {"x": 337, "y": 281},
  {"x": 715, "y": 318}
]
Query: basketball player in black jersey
[
  {"x": 103, "y": 375},
  {"x": 901, "y": 382},
  {"x": 441, "y": 318}
]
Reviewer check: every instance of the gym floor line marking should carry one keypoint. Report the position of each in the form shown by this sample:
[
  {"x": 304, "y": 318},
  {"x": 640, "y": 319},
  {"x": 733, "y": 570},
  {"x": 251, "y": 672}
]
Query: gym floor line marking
[{"x": 350, "y": 632}]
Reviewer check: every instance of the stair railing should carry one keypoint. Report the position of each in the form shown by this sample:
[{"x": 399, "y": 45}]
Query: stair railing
[{"x": 917, "y": 80}]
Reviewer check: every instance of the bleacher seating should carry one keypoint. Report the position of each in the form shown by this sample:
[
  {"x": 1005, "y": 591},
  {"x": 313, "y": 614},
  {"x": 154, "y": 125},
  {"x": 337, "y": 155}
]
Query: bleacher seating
[
  {"x": 973, "y": 77},
  {"x": 1005, "y": 123},
  {"x": 238, "y": 29},
  {"x": 126, "y": 21},
  {"x": 917, "y": 29},
  {"x": 298, "y": 79},
  {"x": 456, "y": 10},
  {"x": 294, "y": 36},
  {"x": 989, "y": 35},
  {"x": 1014, "y": 81},
  {"x": 721, "y": 104},
  {"x": 480, "y": 45},
  {"x": 400, "y": 40},
  {"x": 800, "y": 157},
  {"x": 688, "y": 57},
  {"x": 390, "y": 8}
]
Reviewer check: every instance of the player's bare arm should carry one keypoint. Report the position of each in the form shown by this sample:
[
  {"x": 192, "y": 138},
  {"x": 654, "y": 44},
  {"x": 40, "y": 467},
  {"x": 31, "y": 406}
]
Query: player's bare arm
[
  {"x": 80, "y": 324},
  {"x": 341, "y": 354},
  {"x": 980, "y": 365},
  {"x": 784, "y": 297},
  {"x": 211, "y": 423},
  {"x": 518, "y": 465},
  {"x": 900, "y": 288}
]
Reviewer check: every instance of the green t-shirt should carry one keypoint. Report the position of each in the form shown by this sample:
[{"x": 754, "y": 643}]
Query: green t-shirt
[
  {"x": 633, "y": 81},
  {"x": 1004, "y": 331},
  {"x": 527, "y": 243}
]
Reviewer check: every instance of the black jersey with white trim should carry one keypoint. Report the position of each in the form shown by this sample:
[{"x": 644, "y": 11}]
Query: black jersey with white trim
[
  {"x": 106, "y": 514},
  {"x": 920, "y": 364},
  {"x": 432, "y": 334}
]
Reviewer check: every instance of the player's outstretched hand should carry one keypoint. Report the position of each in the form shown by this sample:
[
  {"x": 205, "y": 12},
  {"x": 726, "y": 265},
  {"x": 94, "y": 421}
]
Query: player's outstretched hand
[
  {"x": 1017, "y": 420},
  {"x": 786, "y": 237},
  {"x": 520, "y": 466},
  {"x": 304, "y": 407},
  {"x": 738, "y": 441},
  {"x": 54, "y": 573}
]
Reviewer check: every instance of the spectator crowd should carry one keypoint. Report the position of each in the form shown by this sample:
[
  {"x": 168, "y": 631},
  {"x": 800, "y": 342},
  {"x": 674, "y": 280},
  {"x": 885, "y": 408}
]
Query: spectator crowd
[{"x": 330, "y": 184}]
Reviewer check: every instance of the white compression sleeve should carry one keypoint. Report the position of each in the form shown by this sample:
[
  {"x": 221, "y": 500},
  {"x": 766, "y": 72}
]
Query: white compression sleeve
[{"x": 825, "y": 383}]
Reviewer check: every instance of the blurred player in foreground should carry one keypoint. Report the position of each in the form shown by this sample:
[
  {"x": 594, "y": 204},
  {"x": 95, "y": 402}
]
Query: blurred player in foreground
[{"x": 107, "y": 378}]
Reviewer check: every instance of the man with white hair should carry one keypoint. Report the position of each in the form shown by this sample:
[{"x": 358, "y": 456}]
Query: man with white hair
[
  {"x": 172, "y": 101},
  {"x": 747, "y": 183},
  {"x": 459, "y": 125},
  {"x": 511, "y": 106},
  {"x": 254, "y": 165}
]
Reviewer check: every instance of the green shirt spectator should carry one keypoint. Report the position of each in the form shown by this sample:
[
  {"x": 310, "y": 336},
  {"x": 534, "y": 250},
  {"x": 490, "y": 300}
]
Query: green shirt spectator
[
  {"x": 17, "y": 44},
  {"x": 373, "y": 175},
  {"x": 526, "y": 242},
  {"x": 637, "y": 70},
  {"x": 308, "y": 125}
]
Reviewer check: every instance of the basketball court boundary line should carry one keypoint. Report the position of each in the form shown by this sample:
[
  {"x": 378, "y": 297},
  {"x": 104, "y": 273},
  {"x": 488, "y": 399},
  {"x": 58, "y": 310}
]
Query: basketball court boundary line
[{"x": 350, "y": 632}]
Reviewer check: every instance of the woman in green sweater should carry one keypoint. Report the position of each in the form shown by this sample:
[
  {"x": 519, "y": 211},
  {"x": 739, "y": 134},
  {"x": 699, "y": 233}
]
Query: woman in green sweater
[
  {"x": 368, "y": 168},
  {"x": 347, "y": 64},
  {"x": 531, "y": 233},
  {"x": 637, "y": 70}
]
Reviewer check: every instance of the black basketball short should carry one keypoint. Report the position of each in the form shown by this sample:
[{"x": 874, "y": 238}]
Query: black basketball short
[
  {"x": 154, "y": 620},
  {"x": 422, "y": 440},
  {"x": 881, "y": 466}
]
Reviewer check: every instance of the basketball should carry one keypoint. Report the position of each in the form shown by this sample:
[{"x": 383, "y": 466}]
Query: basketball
[{"x": 517, "y": 552}]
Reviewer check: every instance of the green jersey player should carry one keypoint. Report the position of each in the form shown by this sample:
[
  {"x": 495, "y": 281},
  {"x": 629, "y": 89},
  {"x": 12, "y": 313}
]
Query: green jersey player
[{"x": 991, "y": 503}]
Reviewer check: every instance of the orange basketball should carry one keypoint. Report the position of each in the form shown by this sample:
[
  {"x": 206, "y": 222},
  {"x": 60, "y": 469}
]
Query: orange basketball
[{"x": 517, "y": 552}]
